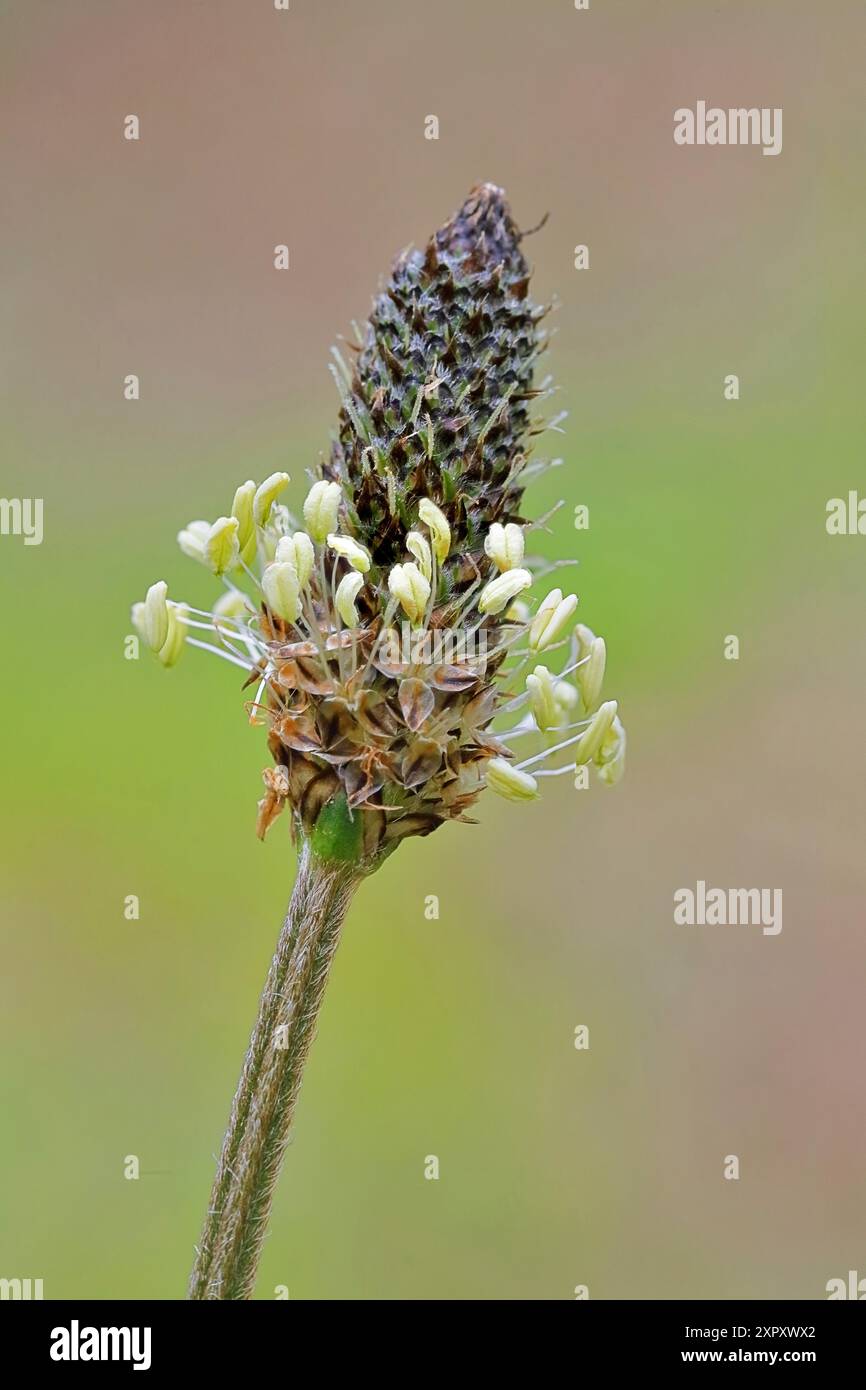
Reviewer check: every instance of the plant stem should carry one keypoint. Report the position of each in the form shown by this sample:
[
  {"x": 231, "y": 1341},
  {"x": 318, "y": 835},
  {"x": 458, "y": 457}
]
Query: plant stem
[{"x": 234, "y": 1229}]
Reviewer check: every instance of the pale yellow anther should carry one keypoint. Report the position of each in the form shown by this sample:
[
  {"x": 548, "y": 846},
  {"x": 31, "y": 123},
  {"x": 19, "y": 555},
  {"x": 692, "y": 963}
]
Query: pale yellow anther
[
  {"x": 155, "y": 615},
  {"x": 221, "y": 549},
  {"x": 500, "y": 591},
  {"x": 350, "y": 550},
  {"x": 282, "y": 590},
  {"x": 551, "y": 620},
  {"x": 519, "y": 612},
  {"x": 242, "y": 509},
  {"x": 192, "y": 540},
  {"x": 590, "y": 677},
  {"x": 504, "y": 545},
  {"x": 419, "y": 547},
  {"x": 321, "y": 509},
  {"x": 170, "y": 651},
  {"x": 266, "y": 495},
  {"x": 348, "y": 590},
  {"x": 585, "y": 637},
  {"x": 232, "y": 606},
  {"x": 542, "y": 618},
  {"x": 437, "y": 524},
  {"x": 297, "y": 550},
  {"x": 597, "y": 732},
  {"x": 567, "y": 699},
  {"x": 410, "y": 589},
  {"x": 542, "y": 698},
  {"x": 509, "y": 782},
  {"x": 610, "y": 757}
]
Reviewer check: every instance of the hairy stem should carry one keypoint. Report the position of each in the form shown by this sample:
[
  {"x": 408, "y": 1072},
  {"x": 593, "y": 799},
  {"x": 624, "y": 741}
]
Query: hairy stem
[{"x": 231, "y": 1241}]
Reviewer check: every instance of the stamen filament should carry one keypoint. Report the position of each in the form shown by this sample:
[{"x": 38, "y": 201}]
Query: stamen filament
[
  {"x": 546, "y": 752},
  {"x": 217, "y": 651}
]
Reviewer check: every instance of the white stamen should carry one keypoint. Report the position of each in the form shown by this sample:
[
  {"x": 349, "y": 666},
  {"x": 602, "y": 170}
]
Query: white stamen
[
  {"x": 217, "y": 651},
  {"x": 557, "y": 748}
]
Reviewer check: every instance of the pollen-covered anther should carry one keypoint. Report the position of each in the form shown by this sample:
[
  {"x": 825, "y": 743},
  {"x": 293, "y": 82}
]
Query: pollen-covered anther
[
  {"x": 321, "y": 509},
  {"x": 347, "y": 592},
  {"x": 542, "y": 698},
  {"x": 170, "y": 651},
  {"x": 497, "y": 595},
  {"x": 519, "y": 612},
  {"x": 610, "y": 757},
  {"x": 233, "y": 607},
  {"x": 437, "y": 523},
  {"x": 221, "y": 547},
  {"x": 281, "y": 588},
  {"x": 551, "y": 620},
  {"x": 419, "y": 547},
  {"x": 357, "y": 555},
  {"x": 584, "y": 637},
  {"x": 266, "y": 495},
  {"x": 567, "y": 698},
  {"x": 411, "y": 590},
  {"x": 155, "y": 615},
  {"x": 192, "y": 540},
  {"x": 505, "y": 545},
  {"x": 242, "y": 510},
  {"x": 510, "y": 782},
  {"x": 297, "y": 550},
  {"x": 590, "y": 674},
  {"x": 594, "y": 737}
]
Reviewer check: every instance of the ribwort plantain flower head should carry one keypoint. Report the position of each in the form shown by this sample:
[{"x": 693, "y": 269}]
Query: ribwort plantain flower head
[{"x": 392, "y": 640}]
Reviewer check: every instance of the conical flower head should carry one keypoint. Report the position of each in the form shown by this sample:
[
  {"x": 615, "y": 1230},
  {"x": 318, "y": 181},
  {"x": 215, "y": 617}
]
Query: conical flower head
[
  {"x": 437, "y": 405},
  {"x": 387, "y": 643}
]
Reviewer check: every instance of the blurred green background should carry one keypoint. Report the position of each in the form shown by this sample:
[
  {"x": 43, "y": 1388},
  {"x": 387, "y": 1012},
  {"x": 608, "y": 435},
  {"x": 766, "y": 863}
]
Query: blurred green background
[{"x": 452, "y": 1037}]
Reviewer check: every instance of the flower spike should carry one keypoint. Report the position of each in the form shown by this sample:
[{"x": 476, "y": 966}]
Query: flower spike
[
  {"x": 391, "y": 690},
  {"x": 393, "y": 667}
]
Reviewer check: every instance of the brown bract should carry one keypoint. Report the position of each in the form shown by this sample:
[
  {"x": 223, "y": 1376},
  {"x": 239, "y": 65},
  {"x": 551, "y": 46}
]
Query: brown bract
[{"x": 406, "y": 742}]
